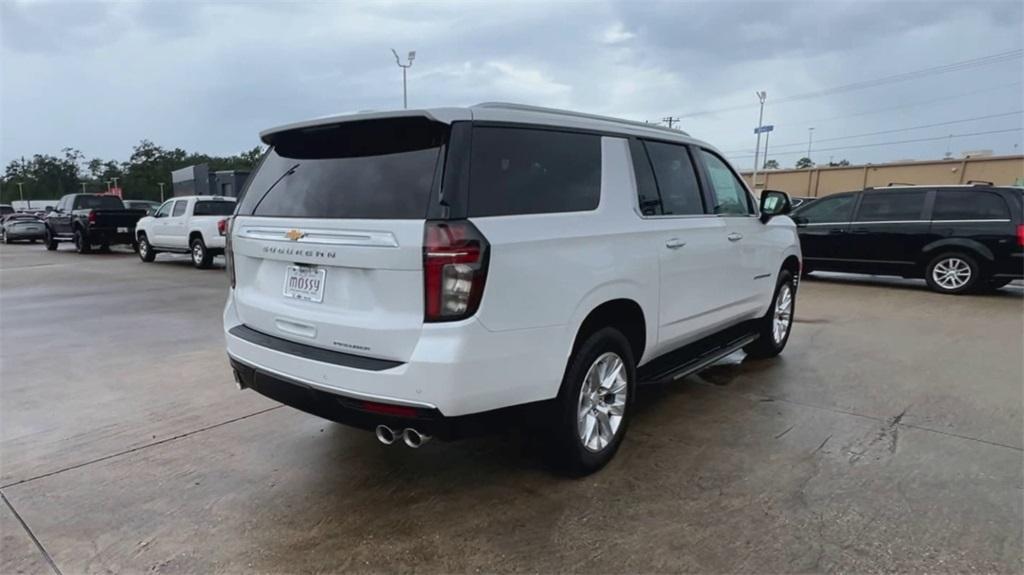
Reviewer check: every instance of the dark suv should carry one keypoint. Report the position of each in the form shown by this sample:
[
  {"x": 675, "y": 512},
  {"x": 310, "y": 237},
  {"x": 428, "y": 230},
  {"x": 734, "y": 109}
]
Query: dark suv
[{"x": 959, "y": 238}]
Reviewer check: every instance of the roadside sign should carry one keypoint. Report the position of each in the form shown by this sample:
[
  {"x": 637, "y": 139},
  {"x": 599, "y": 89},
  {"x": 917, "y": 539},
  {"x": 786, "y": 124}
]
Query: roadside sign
[{"x": 764, "y": 129}]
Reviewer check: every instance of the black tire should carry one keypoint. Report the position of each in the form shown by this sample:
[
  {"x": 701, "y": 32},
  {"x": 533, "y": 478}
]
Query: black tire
[
  {"x": 82, "y": 244},
  {"x": 50, "y": 241},
  {"x": 954, "y": 284},
  {"x": 570, "y": 453},
  {"x": 201, "y": 257},
  {"x": 32, "y": 241},
  {"x": 769, "y": 343},
  {"x": 146, "y": 251}
]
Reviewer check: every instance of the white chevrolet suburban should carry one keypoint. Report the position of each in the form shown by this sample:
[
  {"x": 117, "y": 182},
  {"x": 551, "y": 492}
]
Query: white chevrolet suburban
[
  {"x": 433, "y": 272},
  {"x": 194, "y": 225}
]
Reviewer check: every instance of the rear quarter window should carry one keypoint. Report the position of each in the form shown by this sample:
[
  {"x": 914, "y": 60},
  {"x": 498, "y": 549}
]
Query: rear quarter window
[
  {"x": 969, "y": 205},
  {"x": 529, "y": 171}
]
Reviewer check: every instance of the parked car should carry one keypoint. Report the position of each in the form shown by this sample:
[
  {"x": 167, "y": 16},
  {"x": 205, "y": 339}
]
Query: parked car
[
  {"x": 958, "y": 238},
  {"x": 6, "y": 209},
  {"x": 192, "y": 225},
  {"x": 150, "y": 207},
  {"x": 15, "y": 227},
  {"x": 430, "y": 273},
  {"x": 90, "y": 220}
]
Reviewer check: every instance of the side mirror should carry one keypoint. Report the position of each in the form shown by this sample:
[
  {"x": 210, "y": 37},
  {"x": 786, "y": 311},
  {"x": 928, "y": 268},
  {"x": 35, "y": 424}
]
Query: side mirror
[{"x": 774, "y": 203}]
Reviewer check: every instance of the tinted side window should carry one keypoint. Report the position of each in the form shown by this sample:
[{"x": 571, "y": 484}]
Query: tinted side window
[
  {"x": 963, "y": 205},
  {"x": 524, "y": 171},
  {"x": 730, "y": 194},
  {"x": 677, "y": 180},
  {"x": 891, "y": 206},
  {"x": 828, "y": 210},
  {"x": 646, "y": 188},
  {"x": 179, "y": 208}
]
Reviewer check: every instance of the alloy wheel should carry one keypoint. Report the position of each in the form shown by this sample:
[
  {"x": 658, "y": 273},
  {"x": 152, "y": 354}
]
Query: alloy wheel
[
  {"x": 197, "y": 253},
  {"x": 602, "y": 401},
  {"x": 783, "y": 315},
  {"x": 952, "y": 273}
]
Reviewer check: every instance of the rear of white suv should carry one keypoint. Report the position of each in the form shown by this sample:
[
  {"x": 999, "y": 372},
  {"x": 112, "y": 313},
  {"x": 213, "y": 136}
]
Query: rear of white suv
[{"x": 433, "y": 272}]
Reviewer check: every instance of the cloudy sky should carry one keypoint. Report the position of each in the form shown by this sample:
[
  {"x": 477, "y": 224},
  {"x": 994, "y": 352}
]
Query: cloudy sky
[{"x": 208, "y": 76}]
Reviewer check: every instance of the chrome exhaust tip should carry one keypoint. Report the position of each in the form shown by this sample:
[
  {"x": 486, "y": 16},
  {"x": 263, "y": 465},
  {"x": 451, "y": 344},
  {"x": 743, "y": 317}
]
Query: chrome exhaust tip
[
  {"x": 386, "y": 435},
  {"x": 413, "y": 438}
]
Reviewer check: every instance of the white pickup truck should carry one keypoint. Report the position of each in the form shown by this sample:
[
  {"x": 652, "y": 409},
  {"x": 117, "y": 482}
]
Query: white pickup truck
[{"x": 186, "y": 225}]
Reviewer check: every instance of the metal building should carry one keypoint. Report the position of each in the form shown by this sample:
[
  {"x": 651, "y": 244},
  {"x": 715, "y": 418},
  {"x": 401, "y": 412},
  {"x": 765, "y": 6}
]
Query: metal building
[{"x": 198, "y": 180}]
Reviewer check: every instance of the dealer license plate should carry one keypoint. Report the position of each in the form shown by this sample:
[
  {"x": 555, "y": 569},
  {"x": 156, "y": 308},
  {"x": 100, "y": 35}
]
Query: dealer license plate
[{"x": 305, "y": 283}]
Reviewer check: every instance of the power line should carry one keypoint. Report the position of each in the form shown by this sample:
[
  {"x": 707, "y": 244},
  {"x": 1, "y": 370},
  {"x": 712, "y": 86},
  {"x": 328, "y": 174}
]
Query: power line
[
  {"x": 906, "y": 106},
  {"x": 897, "y": 130},
  {"x": 893, "y": 143},
  {"x": 901, "y": 77}
]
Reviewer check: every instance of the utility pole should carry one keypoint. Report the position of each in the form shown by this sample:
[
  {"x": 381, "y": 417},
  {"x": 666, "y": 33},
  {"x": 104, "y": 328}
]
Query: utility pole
[
  {"x": 810, "y": 138},
  {"x": 670, "y": 120},
  {"x": 83, "y": 186},
  {"x": 764, "y": 163},
  {"x": 404, "y": 67},
  {"x": 161, "y": 184},
  {"x": 757, "y": 150},
  {"x": 21, "y": 192}
]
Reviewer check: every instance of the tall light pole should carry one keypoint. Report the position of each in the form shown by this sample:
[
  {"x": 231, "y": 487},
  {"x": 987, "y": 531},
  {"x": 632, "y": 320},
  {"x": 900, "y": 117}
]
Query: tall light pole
[
  {"x": 161, "y": 184},
  {"x": 757, "y": 150},
  {"x": 767, "y": 136},
  {"x": 810, "y": 138},
  {"x": 404, "y": 67},
  {"x": 83, "y": 186},
  {"x": 21, "y": 192}
]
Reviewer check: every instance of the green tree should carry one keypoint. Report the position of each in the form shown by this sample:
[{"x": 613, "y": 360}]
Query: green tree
[
  {"x": 771, "y": 165},
  {"x": 803, "y": 163}
]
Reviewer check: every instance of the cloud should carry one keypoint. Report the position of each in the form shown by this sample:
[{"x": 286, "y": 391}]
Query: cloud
[{"x": 209, "y": 76}]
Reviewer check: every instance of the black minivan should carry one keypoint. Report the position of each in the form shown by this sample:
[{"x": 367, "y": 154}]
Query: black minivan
[{"x": 959, "y": 238}]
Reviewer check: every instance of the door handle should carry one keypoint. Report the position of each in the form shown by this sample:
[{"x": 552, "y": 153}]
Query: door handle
[
  {"x": 735, "y": 237},
  {"x": 674, "y": 243}
]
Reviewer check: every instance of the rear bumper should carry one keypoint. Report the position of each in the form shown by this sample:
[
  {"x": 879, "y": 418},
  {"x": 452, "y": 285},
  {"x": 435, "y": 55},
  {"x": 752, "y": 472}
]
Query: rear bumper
[
  {"x": 456, "y": 369},
  {"x": 16, "y": 234},
  {"x": 363, "y": 415},
  {"x": 1012, "y": 267},
  {"x": 111, "y": 236}
]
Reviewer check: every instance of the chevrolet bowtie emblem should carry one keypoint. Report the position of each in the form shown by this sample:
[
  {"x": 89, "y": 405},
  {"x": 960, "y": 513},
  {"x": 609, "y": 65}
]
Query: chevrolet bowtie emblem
[{"x": 295, "y": 235}]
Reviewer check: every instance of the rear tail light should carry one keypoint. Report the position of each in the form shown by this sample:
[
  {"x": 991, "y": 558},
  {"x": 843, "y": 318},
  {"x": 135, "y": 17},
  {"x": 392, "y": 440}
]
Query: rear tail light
[
  {"x": 455, "y": 256},
  {"x": 92, "y": 216},
  {"x": 224, "y": 227},
  {"x": 1020, "y": 235}
]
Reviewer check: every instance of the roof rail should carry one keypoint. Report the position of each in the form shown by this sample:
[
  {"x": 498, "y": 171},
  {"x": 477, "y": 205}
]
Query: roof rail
[
  {"x": 979, "y": 183},
  {"x": 900, "y": 184},
  {"x": 543, "y": 110}
]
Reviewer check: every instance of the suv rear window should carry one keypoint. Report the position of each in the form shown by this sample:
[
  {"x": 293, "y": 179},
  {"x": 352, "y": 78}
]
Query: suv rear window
[
  {"x": 213, "y": 208},
  {"x": 525, "y": 171},
  {"x": 891, "y": 206},
  {"x": 376, "y": 169},
  {"x": 964, "y": 205},
  {"x": 98, "y": 203}
]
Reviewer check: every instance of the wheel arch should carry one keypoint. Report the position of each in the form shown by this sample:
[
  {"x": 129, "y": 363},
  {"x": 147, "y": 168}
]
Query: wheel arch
[
  {"x": 192, "y": 235},
  {"x": 624, "y": 314},
  {"x": 969, "y": 246}
]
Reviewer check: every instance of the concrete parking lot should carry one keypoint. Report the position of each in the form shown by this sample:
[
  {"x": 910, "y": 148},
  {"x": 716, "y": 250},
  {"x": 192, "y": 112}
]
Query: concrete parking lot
[{"x": 887, "y": 437}]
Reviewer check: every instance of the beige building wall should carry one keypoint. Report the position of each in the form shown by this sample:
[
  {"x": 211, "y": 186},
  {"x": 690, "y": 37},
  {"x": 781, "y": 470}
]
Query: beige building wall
[{"x": 816, "y": 182}]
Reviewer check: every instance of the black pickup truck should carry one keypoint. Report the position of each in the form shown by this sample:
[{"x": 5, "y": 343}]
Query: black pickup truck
[{"x": 91, "y": 220}]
